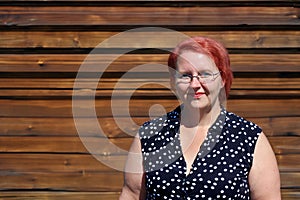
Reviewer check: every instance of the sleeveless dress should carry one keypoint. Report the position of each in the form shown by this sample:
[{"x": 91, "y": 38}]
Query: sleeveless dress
[{"x": 220, "y": 169}]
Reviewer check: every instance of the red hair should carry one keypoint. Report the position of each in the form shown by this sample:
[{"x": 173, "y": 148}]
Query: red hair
[{"x": 215, "y": 50}]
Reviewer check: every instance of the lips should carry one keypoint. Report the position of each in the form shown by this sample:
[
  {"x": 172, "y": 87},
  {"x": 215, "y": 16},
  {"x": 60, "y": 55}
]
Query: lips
[{"x": 198, "y": 94}]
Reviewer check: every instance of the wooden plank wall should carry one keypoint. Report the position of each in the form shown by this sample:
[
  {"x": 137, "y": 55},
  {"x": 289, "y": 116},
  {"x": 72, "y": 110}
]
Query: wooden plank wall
[{"x": 43, "y": 43}]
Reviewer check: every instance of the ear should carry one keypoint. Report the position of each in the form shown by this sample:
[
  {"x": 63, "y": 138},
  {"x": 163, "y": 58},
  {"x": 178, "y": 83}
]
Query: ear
[
  {"x": 172, "y": 82},
  {"x": 223, "y": 83},
  {"x": 172, "y": 79}
]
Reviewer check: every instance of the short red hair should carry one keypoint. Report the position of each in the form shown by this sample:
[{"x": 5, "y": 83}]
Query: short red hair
[{"x": 215, "y": 50}]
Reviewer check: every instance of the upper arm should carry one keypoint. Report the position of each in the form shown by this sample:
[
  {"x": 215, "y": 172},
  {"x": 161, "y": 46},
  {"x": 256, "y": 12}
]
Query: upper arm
[
  {"x": 134, "y": 186},
  {"x": 264, "y": 176}
]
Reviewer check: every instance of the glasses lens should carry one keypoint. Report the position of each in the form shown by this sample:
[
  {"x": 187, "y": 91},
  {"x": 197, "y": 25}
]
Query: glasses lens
[{"x": 205, "y": 77}]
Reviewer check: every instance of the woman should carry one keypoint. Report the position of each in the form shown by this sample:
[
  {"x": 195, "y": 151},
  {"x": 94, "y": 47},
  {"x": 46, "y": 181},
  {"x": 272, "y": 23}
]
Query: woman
[{"x": 200, "y": 150}]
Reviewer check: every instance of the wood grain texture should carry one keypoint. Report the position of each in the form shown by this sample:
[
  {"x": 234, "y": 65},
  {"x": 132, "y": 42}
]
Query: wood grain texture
[
  {"x": 160, "y": 1},
  {"x": 70, "y": 163},
  {"x": 140, "y": 108},
  {"x": 149, "y": 82},
  {"x": 147, "y": 16},
  {"x": 43, "y": 44},
  {"x": 45, "y": 63},
  {"x": 287, "y": 194},
  {"x": 63, "y": 195},
  {"x": 121, "y": 127},
  {"x": 80, "y": 181},
  {"x": 281, "y": 145},
  {"x": 86, "y": 181},
  {"x": 150, "y": 38}
]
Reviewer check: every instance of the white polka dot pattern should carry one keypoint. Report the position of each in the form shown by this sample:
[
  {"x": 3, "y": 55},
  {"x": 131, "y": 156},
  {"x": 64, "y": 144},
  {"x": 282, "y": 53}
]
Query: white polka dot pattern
[{"x": 220, "y": 170}]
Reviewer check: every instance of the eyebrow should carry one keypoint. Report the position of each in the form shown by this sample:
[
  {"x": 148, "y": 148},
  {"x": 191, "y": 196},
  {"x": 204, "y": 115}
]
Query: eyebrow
[{"x": 189, "y": 71}]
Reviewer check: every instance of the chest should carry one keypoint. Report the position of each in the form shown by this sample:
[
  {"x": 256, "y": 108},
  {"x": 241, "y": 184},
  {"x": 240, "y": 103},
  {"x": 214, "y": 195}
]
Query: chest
[{"x": 222, "y": 173}]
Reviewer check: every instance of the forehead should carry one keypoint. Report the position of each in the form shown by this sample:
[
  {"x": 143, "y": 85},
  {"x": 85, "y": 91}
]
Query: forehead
[{"x": 193, "y": 61}]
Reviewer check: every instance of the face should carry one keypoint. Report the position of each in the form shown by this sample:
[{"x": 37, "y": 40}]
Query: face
[{"x": 196, "y": 94}]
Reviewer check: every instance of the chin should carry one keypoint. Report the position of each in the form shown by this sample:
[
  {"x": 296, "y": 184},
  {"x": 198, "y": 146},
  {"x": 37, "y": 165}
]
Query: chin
[{"x": 199, "y": 104}]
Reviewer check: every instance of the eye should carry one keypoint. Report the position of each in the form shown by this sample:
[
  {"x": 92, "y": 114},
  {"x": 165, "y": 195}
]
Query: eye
[
  {"x": 206, "y": 74},
  {"x": 185, "y": 76}
]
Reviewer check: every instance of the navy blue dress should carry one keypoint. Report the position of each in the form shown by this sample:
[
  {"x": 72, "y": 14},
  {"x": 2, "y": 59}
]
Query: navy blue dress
[{"x": 220, "y": 170}]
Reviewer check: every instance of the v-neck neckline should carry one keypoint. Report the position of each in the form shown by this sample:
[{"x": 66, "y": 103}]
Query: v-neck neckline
[{"x": 204, "y": 148}]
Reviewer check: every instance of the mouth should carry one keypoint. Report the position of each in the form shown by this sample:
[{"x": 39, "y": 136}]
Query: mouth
[{"x": 197, "y": 95}]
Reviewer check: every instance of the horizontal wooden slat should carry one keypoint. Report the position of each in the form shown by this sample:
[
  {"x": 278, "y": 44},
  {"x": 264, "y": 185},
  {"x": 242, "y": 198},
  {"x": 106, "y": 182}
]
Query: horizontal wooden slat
[
  {"x": 71, "y": 63},
  {"x": 148, "y": 39},
  {"x": 63, "y": 108},
  {"x": 285, "y": 145},
  {"x": 100, "y": 1},
  {"x": 141, "y": 83},
  {"x": 66, "y": 126},
  {"x": 290, "y": 180},
  {"x": 63, "y": 94},
  {"x": 101, "y": 146},
  {"x": 71, "y": 163},
  {"x": 17, "y": 195},
  {"x": 288, "y": 162},
  {"x": 287, "y": 194},
  {"x": 265, "y": 83},
  {"x": 57, "y": 163},
  {"x": 88, "y": 181},
  {"x": 82, "y": 181},
  {"x": 63, "y": 144},
  {"x": 290, "y": 194},
  {"x": 282, "y": 126},
  {"x": 90, "y": 15}
]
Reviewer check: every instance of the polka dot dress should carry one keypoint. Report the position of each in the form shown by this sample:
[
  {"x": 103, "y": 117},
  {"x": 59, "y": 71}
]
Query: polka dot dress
[{"x": 220, "y": 170}]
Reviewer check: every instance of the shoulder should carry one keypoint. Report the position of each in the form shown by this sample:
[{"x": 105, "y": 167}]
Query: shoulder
[
  {"x": 244, "y": 132},
  {"x": 236, "y": 122},
  {"x": 160, "y": 124}
]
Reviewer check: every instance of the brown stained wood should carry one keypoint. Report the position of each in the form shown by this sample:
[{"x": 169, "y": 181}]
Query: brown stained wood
[
  {"x": 71, "y": 63},
  {"x": 42, "y": 156},
  {"x": 287, "y": 194},
  {"x": 286, "y": 145},
  {"x": 153, "y": 83},
  {"x": 104, "y": 146},
  {"x": 100, "y": 1},
  {"x": 265, "y": 62},
  {"x": 87, "y": 181},
  {"x": 288, "y": 162},
  {"x": 82, "y": 181},
  {"x": 59, "y": 163},
  {"x": 265, "y": 83},
  {"x": 156, "y": 16},
  {"x": 101, "y": 146},
  {"x": 290, "y": 180},
  {"x": 112, "y": 127},
  {"x": 94, "y": 39},
  {"x": 121, "y": 127},
  {"x": 289, "y": 125},
  {"x": 159, "y": 93},
  {"x": 290, "y": 194},
  {"x": 278, "y": 126},
  {"x": 72, "y": 163},
  {"x": 137, "y": 107},
  {"x": 263, "y": 108},
  {"x": 59, "y": 195}
]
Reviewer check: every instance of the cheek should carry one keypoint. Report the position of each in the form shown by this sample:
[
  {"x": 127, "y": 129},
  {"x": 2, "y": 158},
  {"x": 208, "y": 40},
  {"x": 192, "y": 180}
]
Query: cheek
[
  {"x": 181, "y": 87},
  {"x": 181, "y": 90},
  {"x": 215, "y": 88}
]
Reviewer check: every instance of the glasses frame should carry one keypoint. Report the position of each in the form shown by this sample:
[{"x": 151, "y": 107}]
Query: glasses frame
[{"x": 198, "y": 77}]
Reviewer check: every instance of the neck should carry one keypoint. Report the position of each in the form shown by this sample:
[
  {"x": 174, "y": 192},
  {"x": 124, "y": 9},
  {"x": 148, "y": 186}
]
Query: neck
[{"x": 195, "y": 117}]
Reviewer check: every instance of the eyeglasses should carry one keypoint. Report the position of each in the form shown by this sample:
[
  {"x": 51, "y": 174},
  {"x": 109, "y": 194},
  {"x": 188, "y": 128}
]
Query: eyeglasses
[{"x": 204, "y": 77}]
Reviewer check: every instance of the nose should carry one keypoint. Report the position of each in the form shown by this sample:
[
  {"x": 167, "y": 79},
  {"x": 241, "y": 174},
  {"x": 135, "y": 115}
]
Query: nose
[{"x": 195, "y": 82}]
